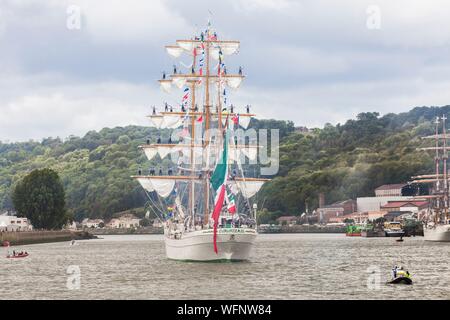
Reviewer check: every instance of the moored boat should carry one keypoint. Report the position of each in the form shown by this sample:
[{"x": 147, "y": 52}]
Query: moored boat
[
  {"x": 393, "y": 229},
  {"x": 438, "y": 232},
  {"x": 21, "y": 255},
  {"x": 436, "y": 226},
  {"x": 353, "y": 231}
]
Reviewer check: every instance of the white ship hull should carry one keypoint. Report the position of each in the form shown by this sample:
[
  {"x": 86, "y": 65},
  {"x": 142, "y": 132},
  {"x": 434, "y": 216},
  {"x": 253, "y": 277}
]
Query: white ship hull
[
  {"x": 438, "y": 233},
  {"x": 233, "y": 244}
]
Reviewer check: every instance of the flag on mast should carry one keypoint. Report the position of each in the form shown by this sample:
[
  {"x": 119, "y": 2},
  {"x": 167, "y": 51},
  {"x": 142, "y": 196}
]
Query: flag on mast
[
  {"x": 231, "y": 203},
  {"x": 219, "y": 182},
  {"x": 185, "y": 98}
]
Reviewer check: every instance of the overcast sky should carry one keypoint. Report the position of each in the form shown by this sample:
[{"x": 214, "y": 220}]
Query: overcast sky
[{"x": 310, "y": 61}]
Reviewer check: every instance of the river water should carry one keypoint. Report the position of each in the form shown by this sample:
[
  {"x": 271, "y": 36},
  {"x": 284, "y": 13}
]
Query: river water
[{"x": 283, "y": 266}]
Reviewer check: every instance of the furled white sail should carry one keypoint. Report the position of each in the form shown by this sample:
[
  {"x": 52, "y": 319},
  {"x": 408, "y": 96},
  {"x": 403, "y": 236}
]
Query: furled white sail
[
  {"x": 234, "y": 82},
  {"x": 179, "y": 82},
  {"x": 166, "y": 85},
  {"x": 244, "y": 122},
  {"x": 249, "y": 188},
  {"x": 163, "y": 187},
  {"x": 214, "y": 52},
  {"x": 150, "y": 153},
  {"x": 186, "y": 45},
  {"x": 146, "y": 184},
  {"x": 156, "y": 120},
  {"x": 172, "y": 121},
  {"x": 174, "y": 51},
  {"x": 229, "y": 48},
  {"x": 163, "y": 151},
  {"x": 186, "y": 150}
]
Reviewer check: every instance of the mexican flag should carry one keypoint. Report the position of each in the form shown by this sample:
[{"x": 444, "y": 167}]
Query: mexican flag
[
  {"x": 231, "y": 204},
  {"x": 219, "y": 182}
]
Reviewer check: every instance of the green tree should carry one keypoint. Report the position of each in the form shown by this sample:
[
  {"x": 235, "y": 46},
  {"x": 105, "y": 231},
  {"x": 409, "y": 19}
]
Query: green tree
[{"x": 40, "y": 197}]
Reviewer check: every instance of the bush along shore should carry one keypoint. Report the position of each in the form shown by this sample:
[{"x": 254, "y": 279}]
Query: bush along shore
[{"x": 34, "y": 237}]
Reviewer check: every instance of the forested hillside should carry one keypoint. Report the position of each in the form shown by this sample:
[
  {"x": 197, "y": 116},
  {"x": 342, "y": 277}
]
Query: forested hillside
[
  {"x": 344, "y": 161},
  {"x": 96, "y": 168},
  {"x": 350, "y": 160}
]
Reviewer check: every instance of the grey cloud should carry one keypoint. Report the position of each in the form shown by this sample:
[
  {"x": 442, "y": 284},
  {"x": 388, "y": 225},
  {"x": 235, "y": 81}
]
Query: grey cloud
[{"x": 314, "y": 60}]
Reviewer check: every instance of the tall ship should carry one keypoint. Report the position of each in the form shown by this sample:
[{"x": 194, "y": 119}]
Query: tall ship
[
  {"x": 204, "y": 199},
  {"x": 437, "y": 221}
]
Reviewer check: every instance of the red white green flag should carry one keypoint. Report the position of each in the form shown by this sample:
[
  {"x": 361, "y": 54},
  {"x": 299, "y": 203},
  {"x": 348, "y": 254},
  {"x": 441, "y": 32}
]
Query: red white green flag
[
  {"x": 219, "y": 182},
  {"x": 231, "y": 204}
]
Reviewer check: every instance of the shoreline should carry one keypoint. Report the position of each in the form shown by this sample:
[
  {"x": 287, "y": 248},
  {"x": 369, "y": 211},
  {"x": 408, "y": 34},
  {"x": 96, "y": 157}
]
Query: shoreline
[
  {"x": 35, "y": 237},
  {"x": 281, "y": 229}
]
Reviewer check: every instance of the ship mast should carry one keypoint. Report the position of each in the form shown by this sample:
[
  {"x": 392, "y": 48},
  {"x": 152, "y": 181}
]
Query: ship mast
[
  {"x": 437, "y": 160},
  {"x": 444, "y": 159},
  {"x": 441, "y": 184},
  {"x": 206, "y": 137},
  {"x": 211, "y": 48},
  {"x": 192, "y": 183}
]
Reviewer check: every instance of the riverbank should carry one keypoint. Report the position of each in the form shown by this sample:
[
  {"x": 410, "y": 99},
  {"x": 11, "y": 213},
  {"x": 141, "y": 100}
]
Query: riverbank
[
  {"x": 302, "y": 229},
  {"x": 120, "y": 231},
  {"x": 34, "y": 237},
  {"x": 272, "y": 229}
]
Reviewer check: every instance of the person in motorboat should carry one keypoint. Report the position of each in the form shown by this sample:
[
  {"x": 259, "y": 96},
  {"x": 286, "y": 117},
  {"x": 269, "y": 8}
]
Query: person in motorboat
[
  {"x": 17, "y": 254},
  {"x": 400, "y": 275}
]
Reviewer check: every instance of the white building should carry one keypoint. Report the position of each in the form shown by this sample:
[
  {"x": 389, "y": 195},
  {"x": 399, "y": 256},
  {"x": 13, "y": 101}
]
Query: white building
[
  {"x": 366, "y": 204},
  {"x": 13, "y": 223},
  {"x": 71, "y": 226},
  {"x": 126, "y": 221},
  {"x": 390, "y": 190},
  {"x": 92, "y": 223}
]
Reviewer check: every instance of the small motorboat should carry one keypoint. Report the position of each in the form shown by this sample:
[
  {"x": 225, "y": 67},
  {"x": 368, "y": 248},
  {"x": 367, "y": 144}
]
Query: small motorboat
[
  {"x": 22, "y": 255},
  {"x": 400, "y": 276},
  {"x": 401, "y": 280}
]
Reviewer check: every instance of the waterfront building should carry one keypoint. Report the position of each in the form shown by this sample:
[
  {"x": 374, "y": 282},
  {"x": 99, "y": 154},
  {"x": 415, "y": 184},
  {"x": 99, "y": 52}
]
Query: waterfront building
[
  {"x": 366, "y": 204},
  {"x": 397, "y": 216},
  {"x": 418, "y": 208},
  {"x": 71, "y": 226},
  {"x": 410, "y": 206},
  {"x": 126, "y": 221},
  {"x": 14, "y": 223},
  {"x": 92, "y": 223},
  {"x": 390, "y": 190},
  {"x": 287, "y": 220},
  {"x": 337, "y": 209}
]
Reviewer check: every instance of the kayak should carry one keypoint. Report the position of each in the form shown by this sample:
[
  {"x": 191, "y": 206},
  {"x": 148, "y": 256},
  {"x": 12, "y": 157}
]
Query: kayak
[
  {"x": 18, "y": 256},
  {"x": 401, "y": 280}
]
